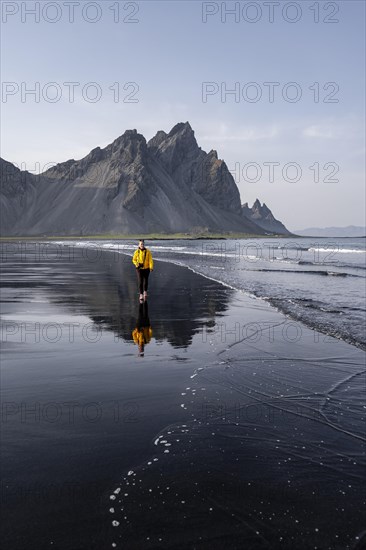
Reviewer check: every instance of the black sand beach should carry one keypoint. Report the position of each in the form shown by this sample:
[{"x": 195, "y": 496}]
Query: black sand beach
[{"x": 237, "y": 428}]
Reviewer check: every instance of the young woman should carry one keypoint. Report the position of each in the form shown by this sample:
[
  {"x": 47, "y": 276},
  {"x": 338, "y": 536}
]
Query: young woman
[{"x": 142, "y": 260}]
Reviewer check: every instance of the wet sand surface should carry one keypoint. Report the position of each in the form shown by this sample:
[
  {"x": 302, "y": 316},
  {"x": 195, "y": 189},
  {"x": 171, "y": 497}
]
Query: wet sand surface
[{"x": 237, "y": 428}]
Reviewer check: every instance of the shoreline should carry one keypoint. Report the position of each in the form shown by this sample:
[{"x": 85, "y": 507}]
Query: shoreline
[
  {"x": 269, "y": 301},
  {"x": 150, "y": 237}
]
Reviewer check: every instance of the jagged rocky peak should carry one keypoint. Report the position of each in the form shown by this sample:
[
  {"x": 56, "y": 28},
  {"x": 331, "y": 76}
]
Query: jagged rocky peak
[
  {"x": 177, "y": 147},
  {"x": 250, "y": 211},
  {"x": 262, "y": 210},
  {"x": 213, "y": 154},
  {"x": 181, "y": 134},
  {"x": 159, "y": 137},
  {"x": 181, "y": 127},
  {"x": 127, "y": 137},
  {"x": 262, "y": 216},
  {"x": 130, "y": 146},
  {"x": 266, "y": 210},
  {"x": 258, "y": 210}
]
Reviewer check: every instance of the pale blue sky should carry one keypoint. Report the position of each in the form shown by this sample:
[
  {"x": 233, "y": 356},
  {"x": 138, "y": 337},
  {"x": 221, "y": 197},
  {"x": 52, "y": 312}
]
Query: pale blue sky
[{"x": 169, "y": 53}]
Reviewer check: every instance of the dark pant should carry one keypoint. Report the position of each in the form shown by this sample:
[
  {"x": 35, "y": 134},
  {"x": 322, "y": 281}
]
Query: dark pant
[
  {"x": 143, "y": 320},
  {"x": 143, "y": 278}
]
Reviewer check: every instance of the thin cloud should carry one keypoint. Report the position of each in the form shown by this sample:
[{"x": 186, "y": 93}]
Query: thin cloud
[
  {"x": 319, "y": 132},
  {"x": 246, "y": 134},
  {"x": 346, "y": 127}
]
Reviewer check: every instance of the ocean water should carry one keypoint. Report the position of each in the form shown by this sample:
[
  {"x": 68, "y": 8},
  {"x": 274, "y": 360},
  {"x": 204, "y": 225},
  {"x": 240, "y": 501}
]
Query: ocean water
[{"x": 318, "y": 281}]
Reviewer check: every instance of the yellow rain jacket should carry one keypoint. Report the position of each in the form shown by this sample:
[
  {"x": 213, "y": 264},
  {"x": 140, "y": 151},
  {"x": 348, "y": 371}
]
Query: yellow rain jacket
[
  {"x": 142, "y": 336},
  {"x": 143, "y": 257}
]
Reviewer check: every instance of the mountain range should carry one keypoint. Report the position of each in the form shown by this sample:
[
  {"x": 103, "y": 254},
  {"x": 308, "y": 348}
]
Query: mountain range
[
  {"x": 349, "y": 231},
  {"x": 166, "y": 185}
]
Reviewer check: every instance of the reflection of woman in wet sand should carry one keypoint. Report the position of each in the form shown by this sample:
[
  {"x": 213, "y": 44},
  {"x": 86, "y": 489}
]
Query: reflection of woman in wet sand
[{"x": 143, "y": 332}]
